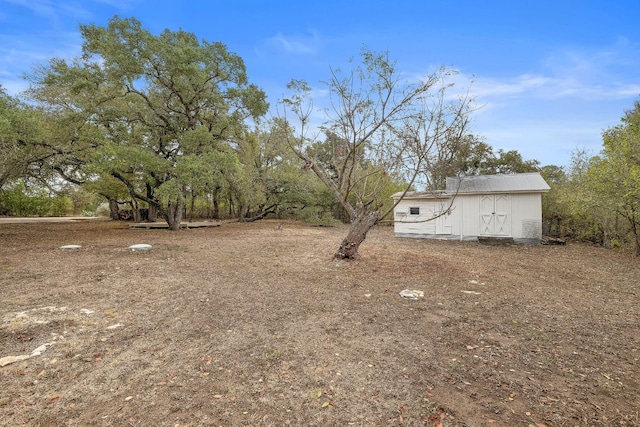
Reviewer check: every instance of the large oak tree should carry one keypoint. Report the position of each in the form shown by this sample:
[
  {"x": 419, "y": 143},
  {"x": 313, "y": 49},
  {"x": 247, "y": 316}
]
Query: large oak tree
[{"x": 162, "y": 114}]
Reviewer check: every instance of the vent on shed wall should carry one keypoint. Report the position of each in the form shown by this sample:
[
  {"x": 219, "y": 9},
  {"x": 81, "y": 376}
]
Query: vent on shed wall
[{"x": 531, "y": 229}]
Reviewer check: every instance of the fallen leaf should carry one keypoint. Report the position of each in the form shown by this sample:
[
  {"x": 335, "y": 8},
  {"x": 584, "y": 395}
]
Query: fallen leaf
[{"x": 54, "y": 399}]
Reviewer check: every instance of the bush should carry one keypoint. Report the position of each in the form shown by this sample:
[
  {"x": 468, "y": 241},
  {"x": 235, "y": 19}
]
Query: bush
[
  {"x": 103, "y": 210},
  {"x": 19, "y": 201},
  {"x": 317, "y": 216}
]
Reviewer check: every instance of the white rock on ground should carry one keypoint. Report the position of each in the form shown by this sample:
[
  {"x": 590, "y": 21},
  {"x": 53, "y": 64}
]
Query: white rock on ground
[
  {"x": 70, "y": 247},
  {"x": 38, "y": 351},
  {"x": 411, "y": 294},
  {"x": 140, "y": 247}
]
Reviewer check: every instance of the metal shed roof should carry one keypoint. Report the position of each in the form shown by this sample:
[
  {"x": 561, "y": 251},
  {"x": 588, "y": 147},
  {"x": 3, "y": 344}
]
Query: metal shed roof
[{"x": 512, "y": 183}]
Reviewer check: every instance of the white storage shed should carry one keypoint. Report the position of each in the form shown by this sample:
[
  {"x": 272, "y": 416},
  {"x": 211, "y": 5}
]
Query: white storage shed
[{"x": 505, "y": 206}]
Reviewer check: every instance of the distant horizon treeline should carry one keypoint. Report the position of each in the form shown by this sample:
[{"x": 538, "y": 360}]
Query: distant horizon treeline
[{"x": 171, "y": 127}]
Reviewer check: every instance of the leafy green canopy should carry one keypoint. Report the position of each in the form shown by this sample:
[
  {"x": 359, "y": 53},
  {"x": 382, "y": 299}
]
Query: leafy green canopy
[
  {"x": 19, "y": 127},
  {"x": 614, "y": 176},
  {"x": 161, "y": 114}
]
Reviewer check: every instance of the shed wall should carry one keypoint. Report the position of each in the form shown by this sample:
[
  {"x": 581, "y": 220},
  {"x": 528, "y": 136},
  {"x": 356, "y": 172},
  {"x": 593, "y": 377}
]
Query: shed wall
[
  {"x": 464, "y": 219},
  {"x": 527, "y": 217},
  {"x": 424, "y": 223}
]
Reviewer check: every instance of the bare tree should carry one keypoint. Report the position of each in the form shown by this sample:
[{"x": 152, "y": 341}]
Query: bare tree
[{"x": 382, "y": 130}]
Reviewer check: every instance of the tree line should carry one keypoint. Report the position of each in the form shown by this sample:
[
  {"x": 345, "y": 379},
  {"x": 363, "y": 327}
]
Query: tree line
[{"x": 170, "y": 125}]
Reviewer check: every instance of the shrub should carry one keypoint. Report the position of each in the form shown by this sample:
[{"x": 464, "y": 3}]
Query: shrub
[{"x": 21, "y": 201}]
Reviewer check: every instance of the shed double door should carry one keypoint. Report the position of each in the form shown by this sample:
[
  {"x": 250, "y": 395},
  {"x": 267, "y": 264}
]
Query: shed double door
[{"x": 495, "y": 215}]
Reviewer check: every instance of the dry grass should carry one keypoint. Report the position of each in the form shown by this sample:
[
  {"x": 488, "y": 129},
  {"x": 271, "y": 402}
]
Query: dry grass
[{"x": 245, "y": 325}]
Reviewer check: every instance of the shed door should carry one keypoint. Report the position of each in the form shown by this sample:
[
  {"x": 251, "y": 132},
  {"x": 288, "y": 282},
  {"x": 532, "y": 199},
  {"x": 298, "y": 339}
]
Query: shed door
[{"x": 495, "y": 218}]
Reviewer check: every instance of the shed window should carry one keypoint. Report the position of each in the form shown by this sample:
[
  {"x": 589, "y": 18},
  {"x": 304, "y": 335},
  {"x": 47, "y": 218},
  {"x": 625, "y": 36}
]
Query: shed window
[{"x": 414, "y": 211}]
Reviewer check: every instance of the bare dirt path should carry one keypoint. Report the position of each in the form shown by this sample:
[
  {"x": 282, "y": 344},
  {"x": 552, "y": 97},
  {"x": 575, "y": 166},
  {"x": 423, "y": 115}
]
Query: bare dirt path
[{"x": 46, "y": 219}]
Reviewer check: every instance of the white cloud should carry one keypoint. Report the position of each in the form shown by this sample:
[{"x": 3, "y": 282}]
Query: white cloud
[
  {"x": 118, "y": 4},
  {"x": 45, "y": 8},
  {"x": 608, "y": 73},
  {"x": 295, "y": 44},
  {"x": 20, "y": 53},
  {"x": 56, "y": 12},
  {"x": 565, "y": 102},
  {"x": 489, "y": 87},
  {"x": 14, "y": 86},
  {"x": 550, "y": 87}
]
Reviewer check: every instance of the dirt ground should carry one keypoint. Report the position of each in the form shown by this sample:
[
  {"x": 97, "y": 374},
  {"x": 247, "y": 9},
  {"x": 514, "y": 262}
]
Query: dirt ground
[{"x": 249, "y": 325}]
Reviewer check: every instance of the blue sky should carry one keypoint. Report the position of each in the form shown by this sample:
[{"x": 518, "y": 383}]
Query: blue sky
[{"x": 549, "y": 75}]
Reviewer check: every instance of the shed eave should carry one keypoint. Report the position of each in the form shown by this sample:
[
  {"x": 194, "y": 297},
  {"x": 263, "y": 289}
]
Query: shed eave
[
  {"x": 423, "y": 196},
  {"x": 464, "y": 193},
  {"x": 444, "y": 196}
]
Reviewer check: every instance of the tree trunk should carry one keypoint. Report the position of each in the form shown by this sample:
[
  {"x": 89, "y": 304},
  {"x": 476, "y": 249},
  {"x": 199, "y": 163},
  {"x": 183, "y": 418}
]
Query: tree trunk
[
  {"x": 114, "y": 209},
  {"x": 231, "y": 208},
  {"x": 216, "y": 209},
  {"x": 134, "y": 210},
  {"x": 192, "y": 206},
  {"x": 215, "y": 196},
  {"x": 360, "y": 226},
  {"x": 153, "y": 212},
  {"x": 636, "y": 234},
  {"x": 153, "y": 208},
  {"x": 174, "y": 215},
  {"x": 264, "y": 212}
]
